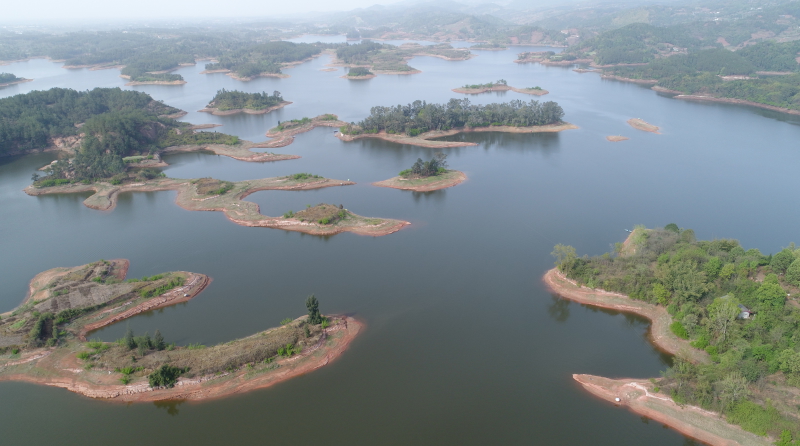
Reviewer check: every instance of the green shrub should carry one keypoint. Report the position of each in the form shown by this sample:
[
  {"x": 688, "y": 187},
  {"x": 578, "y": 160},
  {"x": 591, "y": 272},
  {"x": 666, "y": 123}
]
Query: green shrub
[
  {"x": 678, "y": 330},
  {"x": 84, "y": 355},
  {"x": 166, "y": 376},
  {"x": 288, "y": 320},
  {"x": 405, "y": 173}
]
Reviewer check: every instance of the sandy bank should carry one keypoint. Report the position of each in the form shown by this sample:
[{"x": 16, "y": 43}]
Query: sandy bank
[
  {"x": 358, "y": 78},
  {"x": 428, "y": 184},
  {"x": 56, "y": 367},
  {"x": 659, "y": 333},
  {"x": 249, "y": 78},
  {"x": 425, "y": 139},
  {"x": 533, "y": 91},
  {"x": 642, "y": 125},
  {"x": 627, "y": 79},
  {"x": 617, "y": 138},
  {"x": 249, "y": 111},
  {"x": 693, "y": 97},
  {"x": 134, "y": 83},
  {"x": 241, "y": 151},
  {"x": 232, "y": 204},
  {"x": 18, "y": 81},
  {"x": 281, "y": 138},
  {"x": 665, "y": 90},
  {"x": 639, "y": 397}
]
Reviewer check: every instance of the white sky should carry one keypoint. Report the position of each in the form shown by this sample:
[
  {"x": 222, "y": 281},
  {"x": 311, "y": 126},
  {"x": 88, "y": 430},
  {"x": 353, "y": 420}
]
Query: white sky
[{"x": 54, "y": 10}]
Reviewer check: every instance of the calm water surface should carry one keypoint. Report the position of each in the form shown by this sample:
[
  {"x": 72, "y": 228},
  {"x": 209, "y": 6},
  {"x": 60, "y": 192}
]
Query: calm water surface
[{"x": 463, "y": 344}]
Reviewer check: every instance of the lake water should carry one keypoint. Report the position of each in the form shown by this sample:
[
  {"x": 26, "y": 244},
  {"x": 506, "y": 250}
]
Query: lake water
[{"x": 463, "y": 343}]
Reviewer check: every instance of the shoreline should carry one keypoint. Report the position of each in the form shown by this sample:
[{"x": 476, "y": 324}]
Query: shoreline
[
  {"x": 638, "y": 396},
  {"x": 282, "y": 138},
  {"x": 658, "y": 333},
  {"x": 335, "y": 341},
  {"x": 456, "y": 178},
  {"x": 249, "y": 111},
  {"x": 232, "y": 204},
  {"x": 18, "y": 81},
  {"x": 358, "y": 78},
  {"x": 424, "y": 139},
  {"x": 532, "y": 91},
  {"x": 692, "y": 97}
]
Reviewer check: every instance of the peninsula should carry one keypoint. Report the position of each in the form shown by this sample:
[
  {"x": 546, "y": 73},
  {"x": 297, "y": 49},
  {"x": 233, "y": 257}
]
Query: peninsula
[
  {"x": 43, "y": 341},
  {"x": 705, "y": 300},
  {"x": 207, "y": 194},
  {"x": 499, "y": 85},
  {"x": 8, "y": 79},
  {"x": 102, "y": 127},
  {"x": 390, "y": 59},
  {"x": 425, "y": 176},
  {"x": 233, "y": 102}
]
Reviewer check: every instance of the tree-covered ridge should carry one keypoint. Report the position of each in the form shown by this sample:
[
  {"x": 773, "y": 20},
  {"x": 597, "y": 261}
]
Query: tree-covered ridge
[
  {"x": 385, "y": 57},
  {"x": 737, "y": 304},
  {"x": 235, "y": 100},
  {"x": 8, "y": 77},
  {"x": 28, "y": 121},
  {"x": 635, "y": 43},
  {"x": 254, "y": 60},
  {"x": 420, "y": 117}
]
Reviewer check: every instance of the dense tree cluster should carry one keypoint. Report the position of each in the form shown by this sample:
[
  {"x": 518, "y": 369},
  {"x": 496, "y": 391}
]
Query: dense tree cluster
[
  {"x": 635, "y": 43},
  {"x": 359, "y": 53},
  {"x": 7, "y": 77},
  {"x": 234, "y": 99},
  {"x": 419, "y": 116},
  {"x": 267, "y": 57},
  {"x": 702, "y": 284},
  {"x": 420, "y": 169}
]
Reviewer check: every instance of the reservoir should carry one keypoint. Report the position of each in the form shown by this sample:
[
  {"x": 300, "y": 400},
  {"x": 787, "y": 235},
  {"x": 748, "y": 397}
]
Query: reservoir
[{"x": 463, "y": 344}]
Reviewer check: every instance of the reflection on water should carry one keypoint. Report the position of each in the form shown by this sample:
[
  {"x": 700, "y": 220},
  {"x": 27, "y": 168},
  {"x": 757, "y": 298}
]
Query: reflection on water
[
  {"x": 559, "y": 308},
  {"x": 171, "y": 406}
]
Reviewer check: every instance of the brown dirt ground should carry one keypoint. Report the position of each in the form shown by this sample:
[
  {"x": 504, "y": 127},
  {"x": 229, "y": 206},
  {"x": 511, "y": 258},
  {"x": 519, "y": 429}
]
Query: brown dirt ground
[
  {"x": 642, "y": 125},
  {"x": 617, "y": 138}
]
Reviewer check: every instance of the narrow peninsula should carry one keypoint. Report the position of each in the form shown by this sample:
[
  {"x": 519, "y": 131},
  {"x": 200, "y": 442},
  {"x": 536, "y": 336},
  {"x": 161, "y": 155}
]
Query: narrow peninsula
[
  {"x": 233, "y": 102},
  {"x": 8, "y": 79},
  {"x": 640, "y": 124},
  {"x": 44, "y": 340},
  {"x": 425, "y": 176},
  {"x": 499, "y": 85},
  {"x": 728, "y": 315},
  {"x": 207, "y": 194}
]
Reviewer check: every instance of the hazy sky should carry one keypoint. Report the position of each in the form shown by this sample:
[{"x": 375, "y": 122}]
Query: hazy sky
[{"x": 49, "y": 10}]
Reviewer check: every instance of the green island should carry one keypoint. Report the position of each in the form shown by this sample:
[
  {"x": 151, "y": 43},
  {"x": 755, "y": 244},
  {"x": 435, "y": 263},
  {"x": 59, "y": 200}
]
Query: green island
[
  {"x": 44, "y": 340},
  {"x": 359, "y": 73},
  {"x": 729, "y": 315},
  {"x": 208, "y": 194},
  {"x": 7, "y": 79},
  {"x": 390, "y": 59},
  {"x": 489, "y": 46},
  {"x": 262, "y": 60},
  {"x": 499, "y": 85},
  {"x": 104, "y": 129},
  {"x": 230, "y": 102},
  {"x": 419, "y": 123},
  {"x": 425, "y": 176}
]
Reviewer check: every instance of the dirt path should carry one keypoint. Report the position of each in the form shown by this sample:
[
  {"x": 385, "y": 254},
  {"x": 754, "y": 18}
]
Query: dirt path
[
  {"x": 659, "y": 333},
  {"x": 639, "y": 397}
]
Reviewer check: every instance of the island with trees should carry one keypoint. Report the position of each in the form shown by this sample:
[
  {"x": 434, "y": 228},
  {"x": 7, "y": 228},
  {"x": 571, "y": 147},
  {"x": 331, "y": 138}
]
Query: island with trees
[
  {"x": 359, "y": 73},
  {"x": 8, "y": 79},
  {"x": 425, "y": 176},
  {"x": 390, "y": 59},
  {"x": 103, "y": 126},
  {"x": 208, "y": 194},
  {"x": 729, "y": 315},
  {"x": 262, "y": 60},
  {"x": 44, "y": 340},
  {"x": 499, "y": 85},
  {"x": 419, "y": 123},
  {"x": 488, "y": 46},
  {"x": 231, "y": 102}
]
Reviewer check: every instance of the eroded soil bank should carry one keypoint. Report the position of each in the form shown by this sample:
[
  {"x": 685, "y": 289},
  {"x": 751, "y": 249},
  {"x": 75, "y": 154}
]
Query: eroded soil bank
[{"x": 427, "y": 184}]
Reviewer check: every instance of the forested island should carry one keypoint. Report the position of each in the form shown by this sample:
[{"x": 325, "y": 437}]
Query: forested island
[
  {"x": 729, "y": 315},
  {"x": 499, "y": 85},
  {"x": 359, "y": 73},
  {"x": 103, "y": 126},
  {"x": 44, "y": 340},
  {"x": 7, "y": 79},
  {"x": 425, "y": 176},
  {"x": 208, "y": 194},
  {"x": 265, "y": 59},
  {"x": 390, "y": 59},
  {"x": 419, "y": 122},
  {"x": 229, "y": 102}
]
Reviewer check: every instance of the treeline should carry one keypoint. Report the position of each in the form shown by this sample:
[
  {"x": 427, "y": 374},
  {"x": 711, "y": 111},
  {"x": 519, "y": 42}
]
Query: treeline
[
  {"x": 7, "y": 77},
  {"x": 234, "y": 99},
  {"x": 267, "y": 57},
  {"x": 113, "y": 124},
  {"x": 419, "y": 116},
  {"x": 707, "y": 286}
]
